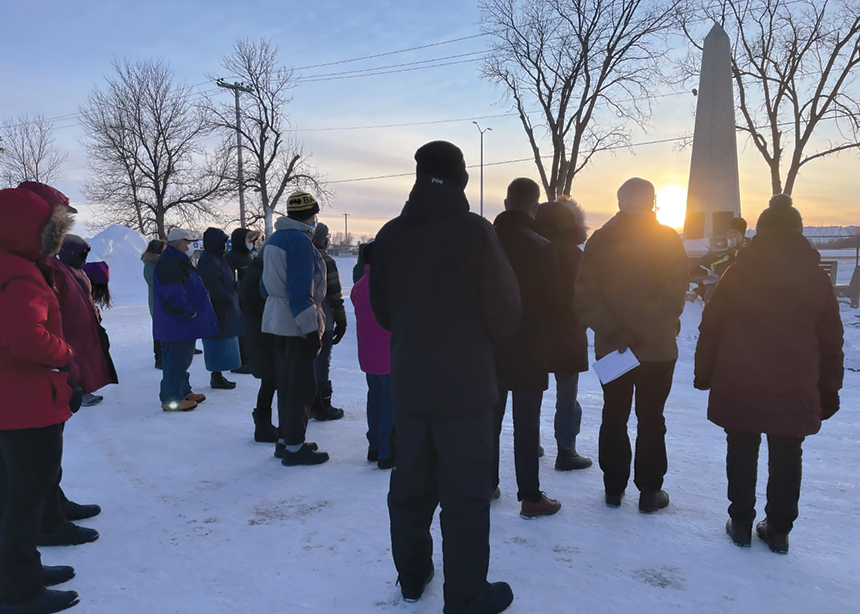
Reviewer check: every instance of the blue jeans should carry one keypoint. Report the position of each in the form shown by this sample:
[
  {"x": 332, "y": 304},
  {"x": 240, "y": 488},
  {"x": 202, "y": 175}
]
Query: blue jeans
[
  {"x": 379, "y": 414},
  {"x": 322, "y": 364},
  {"x": 176, "y": 358},
  {"x": 568, "y": 411}
]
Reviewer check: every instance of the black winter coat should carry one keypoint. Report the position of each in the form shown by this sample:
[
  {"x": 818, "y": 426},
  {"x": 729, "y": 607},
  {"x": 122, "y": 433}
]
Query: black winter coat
[
  {"x": 771, "y": 339},
  {"x": 523, "y": 358},
  {"x": 239, "y": 258},
  {"x": 218, "y": 279},
  {"x": 440, "y": 282},
  {"x": 259, "y": 346}
]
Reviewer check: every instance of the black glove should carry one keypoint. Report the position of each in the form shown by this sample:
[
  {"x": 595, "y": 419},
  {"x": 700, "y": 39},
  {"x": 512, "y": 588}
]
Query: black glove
[
  {"x": 339, "y": 330},
  {"x": 315, "y": 341},
  {"x": 620, "y": 340},
  {"x": 77, "y": 398},
  {"x": 829, "y": 404},
  {"x": 700, "y": 384}
]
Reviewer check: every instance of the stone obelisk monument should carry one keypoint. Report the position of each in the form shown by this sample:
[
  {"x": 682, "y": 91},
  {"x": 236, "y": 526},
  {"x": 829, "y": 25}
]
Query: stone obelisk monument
[{"x": 713, "y": 195}]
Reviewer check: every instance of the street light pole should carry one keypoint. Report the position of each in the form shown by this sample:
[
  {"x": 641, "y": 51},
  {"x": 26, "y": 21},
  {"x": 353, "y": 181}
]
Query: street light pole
[
  {"x": 238, "y": 87},
  {"x": 482, "y": 163}
]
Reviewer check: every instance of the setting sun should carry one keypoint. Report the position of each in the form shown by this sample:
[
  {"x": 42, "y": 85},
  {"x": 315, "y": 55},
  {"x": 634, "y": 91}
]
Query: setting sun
[{"x": 672, "y": 206}]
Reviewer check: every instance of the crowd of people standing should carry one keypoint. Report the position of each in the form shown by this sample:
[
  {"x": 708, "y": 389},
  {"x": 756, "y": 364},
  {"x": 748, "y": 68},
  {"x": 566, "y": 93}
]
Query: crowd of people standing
[{"x": 515, "y": 299}]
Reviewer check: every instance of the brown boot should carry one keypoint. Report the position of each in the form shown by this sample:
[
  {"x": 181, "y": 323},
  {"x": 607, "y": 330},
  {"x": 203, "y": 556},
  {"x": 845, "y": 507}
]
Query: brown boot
[
  {"x": 183, "y": 405},
  {"x": 196, "y": 397},
  {"x": 542, "y": 507},
  {"x": 777, "y": 541}
]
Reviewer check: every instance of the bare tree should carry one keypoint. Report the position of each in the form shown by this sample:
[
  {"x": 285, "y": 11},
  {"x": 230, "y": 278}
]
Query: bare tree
[
  {"x": 144, "y": 141},
  {"x": 28, "y": 152},
  {"x": 580, "y": 70},
  {"x": 276, "y": 160},
  {"x": 794, "y": 67}
]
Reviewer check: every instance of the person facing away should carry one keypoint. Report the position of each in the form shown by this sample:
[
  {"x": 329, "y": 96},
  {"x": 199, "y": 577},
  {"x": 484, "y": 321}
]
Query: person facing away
[
  {"x": 153, "y": 250},
  {"x": 522, "y": 358},
  {"x": 441, "y": 284},
  {"x": 221, "y": 350},
  {"x": 770, "y": 352},
  {"x": 630, "y": 291},
  {"x": 294, "y": 278},
  {"x": 335, "y": 329},
  {"x": 183, "y": 313},
  {"x": 35, "y": 362},
  {"x": 374, "y": 359},
  {"x": 563, "y": 223}
]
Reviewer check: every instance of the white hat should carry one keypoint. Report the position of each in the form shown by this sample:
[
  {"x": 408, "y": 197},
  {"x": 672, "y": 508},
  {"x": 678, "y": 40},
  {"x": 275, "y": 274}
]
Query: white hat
[{"x": 180, "y": 234}]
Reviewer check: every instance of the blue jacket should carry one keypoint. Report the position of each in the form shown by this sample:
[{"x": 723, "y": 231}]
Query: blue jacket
[
  {"x": 218, "y": 278},
  {"x": 294, "y": 280},
  {"x": 182, "y": 311}
]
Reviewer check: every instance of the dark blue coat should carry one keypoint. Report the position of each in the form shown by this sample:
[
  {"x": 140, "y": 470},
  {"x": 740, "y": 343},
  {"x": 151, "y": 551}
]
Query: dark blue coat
[
  {"x": 182, "y": 310},
  {"x": 218, "y": 278}
]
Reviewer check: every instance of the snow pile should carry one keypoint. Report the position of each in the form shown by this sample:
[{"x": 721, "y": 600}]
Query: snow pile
[{"x": 121, "y": 248}]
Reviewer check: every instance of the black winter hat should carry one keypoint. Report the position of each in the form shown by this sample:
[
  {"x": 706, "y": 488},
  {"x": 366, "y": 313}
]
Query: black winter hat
[
  {"x": 780, "y": 214},
  {"x": 441, "y": 160}
]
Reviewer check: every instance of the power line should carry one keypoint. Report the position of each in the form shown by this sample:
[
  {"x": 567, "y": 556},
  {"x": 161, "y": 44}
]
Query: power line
[
  {"x": 424, "y": 123},
  {"x": 375, "y": 68}
]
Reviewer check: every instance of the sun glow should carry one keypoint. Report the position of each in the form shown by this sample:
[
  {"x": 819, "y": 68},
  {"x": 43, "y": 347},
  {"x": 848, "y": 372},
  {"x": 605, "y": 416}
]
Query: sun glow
[{"x": 672, "y": 206}]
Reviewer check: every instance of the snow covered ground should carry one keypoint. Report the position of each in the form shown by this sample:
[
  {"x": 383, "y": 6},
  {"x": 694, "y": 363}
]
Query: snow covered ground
[{"x": 199, "y": 518}]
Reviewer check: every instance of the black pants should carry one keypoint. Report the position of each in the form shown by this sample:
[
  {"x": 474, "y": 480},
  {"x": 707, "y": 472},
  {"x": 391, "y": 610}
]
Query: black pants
[
  {"x": 526, "y": 410},
  {"x": 294, "y": 362},
  {"x": 650, "y": 383},
  {"x": 784, "y": 468},
  {"x": 265, "y": 396},
  {"x": 448, "y": 464},
  {"x": 29, "y": 466},
  {"x": 52, "y": 514},
  {"x": 156, "y": 349}
]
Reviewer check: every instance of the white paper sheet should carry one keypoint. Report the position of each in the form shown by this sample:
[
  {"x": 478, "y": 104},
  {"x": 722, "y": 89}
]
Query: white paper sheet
[{"x": 614, "y": 365}]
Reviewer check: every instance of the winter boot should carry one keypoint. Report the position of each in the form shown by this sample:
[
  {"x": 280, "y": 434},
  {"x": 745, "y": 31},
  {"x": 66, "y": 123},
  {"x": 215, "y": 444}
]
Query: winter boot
[
  {"x": 183, "y": 405},
  {"x": 612, "y": 499},
  {"x": 569, "y": 461},
  {"x": 264, "y": 432},
  {"x": 91, "y": 399},
  {"x": 740, "y": 532},
  {"x": 56, "y": 574},
  {"x": 495, "y": 598},
  {"x": 650, "y": 502},
  {"x": 305, "y": 456},
  {"x": 47, "y": 602},
  {"x": 777, "y": 541},
  {"x": 218, "y": 382},
  {"x": 322, "y": 408},
  {"x": 412, "y": 591},
  {"x": 542, "y": 507},
  {"x": 67, "y": 534},
  {"x": 196, "y": 397},
  {"x": 76, "y": 511}
]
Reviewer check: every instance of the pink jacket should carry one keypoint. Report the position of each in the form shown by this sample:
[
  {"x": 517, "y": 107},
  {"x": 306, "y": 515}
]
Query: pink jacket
[{"x": 374, "y": 351}]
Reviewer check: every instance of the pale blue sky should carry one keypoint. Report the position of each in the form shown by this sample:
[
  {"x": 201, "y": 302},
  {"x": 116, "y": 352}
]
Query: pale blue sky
[{"x": 52, "y": 53}]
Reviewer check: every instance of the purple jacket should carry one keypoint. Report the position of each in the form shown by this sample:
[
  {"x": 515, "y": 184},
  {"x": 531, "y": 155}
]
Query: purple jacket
[
  {"x": 374, "y": 342},
  {"x": 183, "y": 310}
]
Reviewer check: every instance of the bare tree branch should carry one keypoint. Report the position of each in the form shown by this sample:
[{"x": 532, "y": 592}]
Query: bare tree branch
[{"x": 29, "y": 153}]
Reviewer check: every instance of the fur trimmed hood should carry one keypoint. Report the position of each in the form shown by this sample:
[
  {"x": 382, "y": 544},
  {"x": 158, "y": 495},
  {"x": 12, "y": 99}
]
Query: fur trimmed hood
[{"x": 32, "y": 228}]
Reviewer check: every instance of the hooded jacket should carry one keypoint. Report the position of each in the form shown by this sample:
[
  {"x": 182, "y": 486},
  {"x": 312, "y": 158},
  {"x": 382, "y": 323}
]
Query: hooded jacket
[
  {"x": 333, "y": 305},
  {"x": 259, "y": 346},
  {"x": 633, "y": 278},
  {"x": 149, "y": 259},
  {"x": 239, "y": 257},
  {"x": 36, "y": 393},
  {"x": 771, "y": 338},
  {"x": 294, "y": 278},
  {"x": 183, "y": 311},
  {"x": 218, "y": 278},
  {"x": 374, "y": 342},
  {"x": 564, "y": 225},
  {"x": 440, "y": 282}
]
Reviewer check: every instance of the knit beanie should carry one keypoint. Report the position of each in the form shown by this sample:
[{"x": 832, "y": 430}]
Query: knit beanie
[
  {"x": 321, "y": 238},
  {"x": 441, "y": 161},
  {"x": 301, "y": 205},
  {"x": 636, "y": 196},
  {"x": 780, "y": 213}
]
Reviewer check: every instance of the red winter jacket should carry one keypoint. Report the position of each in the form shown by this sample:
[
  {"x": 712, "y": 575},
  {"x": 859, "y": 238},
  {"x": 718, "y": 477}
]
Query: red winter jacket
[
  {"x": 35, "y": 393},
  {"x": 770, "y": 341}
]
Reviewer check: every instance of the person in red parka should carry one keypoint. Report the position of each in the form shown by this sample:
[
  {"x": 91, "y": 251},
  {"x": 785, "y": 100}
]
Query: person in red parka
[
  {"x": 34, "y": 366},
  {"x": 770, "y": 352}
]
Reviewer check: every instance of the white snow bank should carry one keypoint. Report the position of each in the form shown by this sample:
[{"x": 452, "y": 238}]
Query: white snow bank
[{"x": 121, "y": 248}]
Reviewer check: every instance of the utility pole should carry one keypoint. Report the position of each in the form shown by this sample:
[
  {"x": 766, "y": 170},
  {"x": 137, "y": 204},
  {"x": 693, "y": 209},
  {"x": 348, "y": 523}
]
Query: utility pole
[
  {"x": 345, "y": 229},
  {"x": 238, "y": 87},
  {"x": 482, "y": 163}
]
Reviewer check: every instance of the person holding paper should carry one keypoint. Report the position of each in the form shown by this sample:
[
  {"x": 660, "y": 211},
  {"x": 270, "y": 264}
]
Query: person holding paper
[
  {"x": 523, "y": 358},
  {"x": 770, "y": 352},
  {"x": 630, "y": 290}
]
